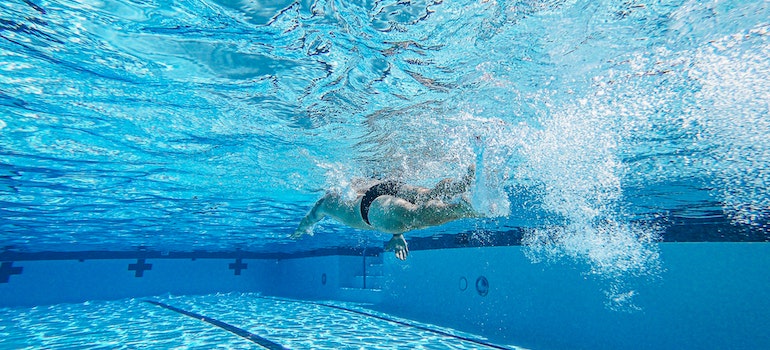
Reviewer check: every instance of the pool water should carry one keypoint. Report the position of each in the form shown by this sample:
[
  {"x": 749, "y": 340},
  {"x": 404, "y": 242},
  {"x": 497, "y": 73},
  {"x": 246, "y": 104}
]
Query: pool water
[{"x": 150, "y": 147}]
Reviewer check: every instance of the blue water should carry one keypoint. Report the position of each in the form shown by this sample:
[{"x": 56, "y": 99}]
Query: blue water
[{"x": 599, "y": 127}]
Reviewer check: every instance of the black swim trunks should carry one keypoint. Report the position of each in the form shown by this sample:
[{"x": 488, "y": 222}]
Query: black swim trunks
[{"x": 386, "y": 188}]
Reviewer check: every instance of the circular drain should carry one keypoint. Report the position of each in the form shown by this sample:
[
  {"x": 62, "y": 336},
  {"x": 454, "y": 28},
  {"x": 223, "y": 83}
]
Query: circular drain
[
  {"x": 463, "y": 283},
  {"x": 482, "y": 286}
]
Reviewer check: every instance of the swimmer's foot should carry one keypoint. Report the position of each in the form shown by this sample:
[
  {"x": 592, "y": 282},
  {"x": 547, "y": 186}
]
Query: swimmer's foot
[
  {"x": 448, "y": 188},
  {"x": 470, "y": 176},
  {"x": 398, "y": 244},
  {"x": 465, "y": 184},
  {"x": 467, "y": 208}
]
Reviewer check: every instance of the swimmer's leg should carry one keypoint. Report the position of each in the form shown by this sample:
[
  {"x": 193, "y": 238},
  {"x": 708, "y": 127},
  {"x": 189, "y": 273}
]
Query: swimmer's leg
[
  {"x": 448, "y": 188},
  {"x": 436, "y": 212}
]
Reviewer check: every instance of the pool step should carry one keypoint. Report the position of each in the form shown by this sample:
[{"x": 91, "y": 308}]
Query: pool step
[
  {"x": 372, "y": 282},
  {"x": 366, "y": 285},
  {"x": 370, "y": 275}
]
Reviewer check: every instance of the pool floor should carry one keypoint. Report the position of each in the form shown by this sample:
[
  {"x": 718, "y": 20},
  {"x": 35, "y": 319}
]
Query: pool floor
[{"x": 224, "y": 321}]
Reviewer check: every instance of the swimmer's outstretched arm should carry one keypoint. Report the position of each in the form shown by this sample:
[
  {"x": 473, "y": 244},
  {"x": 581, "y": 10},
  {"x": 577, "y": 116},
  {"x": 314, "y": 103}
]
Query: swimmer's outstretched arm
[{"x": 315, "y": 215}]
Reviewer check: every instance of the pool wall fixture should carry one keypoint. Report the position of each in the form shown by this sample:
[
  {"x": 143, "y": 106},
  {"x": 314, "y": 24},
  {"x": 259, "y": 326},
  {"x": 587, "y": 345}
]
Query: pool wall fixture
[
  {"x": 482, "y": 286},
  {"x": 701, "y": 294}
]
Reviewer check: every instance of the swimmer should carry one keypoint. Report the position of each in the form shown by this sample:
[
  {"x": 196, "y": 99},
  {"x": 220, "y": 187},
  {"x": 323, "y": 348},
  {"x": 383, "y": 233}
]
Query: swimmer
[{"x": 394, "y": 207}]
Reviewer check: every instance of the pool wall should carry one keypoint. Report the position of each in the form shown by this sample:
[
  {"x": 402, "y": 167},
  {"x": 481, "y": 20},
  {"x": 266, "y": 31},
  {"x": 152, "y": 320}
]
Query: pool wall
[
  {"x": 44, "y": 282},
  {"x": 42, "y": 279},
  {"x": 328, "y": 277},
  {"x": 708, "y": 295}
]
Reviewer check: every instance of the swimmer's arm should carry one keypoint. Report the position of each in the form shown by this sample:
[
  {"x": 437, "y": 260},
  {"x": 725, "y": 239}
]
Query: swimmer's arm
[{"x": 306, "y": 225}]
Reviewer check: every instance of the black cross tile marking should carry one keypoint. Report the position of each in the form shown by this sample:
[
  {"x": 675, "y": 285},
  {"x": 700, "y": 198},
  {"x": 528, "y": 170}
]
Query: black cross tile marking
[
  {"x": 7, "y": 269},
  {"x": 238, "y": 265},
  {"x": 139, "y": 267}
]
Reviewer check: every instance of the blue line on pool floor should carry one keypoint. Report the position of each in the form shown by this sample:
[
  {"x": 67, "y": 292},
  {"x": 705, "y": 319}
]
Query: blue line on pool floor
[{"x": 228, "y": 327}]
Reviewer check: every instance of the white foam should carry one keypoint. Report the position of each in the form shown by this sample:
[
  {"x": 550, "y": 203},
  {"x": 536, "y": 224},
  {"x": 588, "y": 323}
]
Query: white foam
[
  {"x": 488, "y": 193},
  {"x": 573, "y": 159},
  {"x": 734, "y": 113}
]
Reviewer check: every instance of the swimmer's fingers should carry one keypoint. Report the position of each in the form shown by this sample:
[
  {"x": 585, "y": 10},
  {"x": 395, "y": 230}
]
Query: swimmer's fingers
[
  {"x": 398, "y": 244},
  {"x": 401, "y": 254}
]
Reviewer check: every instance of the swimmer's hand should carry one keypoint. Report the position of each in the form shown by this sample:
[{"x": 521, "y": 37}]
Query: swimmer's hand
[
  {"x": 398, "y": 244},
  {"x": 306, "y": 225},
  {"x": 301, "y": 231}
]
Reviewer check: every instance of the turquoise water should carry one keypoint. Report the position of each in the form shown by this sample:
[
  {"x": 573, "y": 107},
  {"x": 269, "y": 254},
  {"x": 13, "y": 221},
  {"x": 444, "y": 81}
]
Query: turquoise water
[{"x": 599, "y": 128}]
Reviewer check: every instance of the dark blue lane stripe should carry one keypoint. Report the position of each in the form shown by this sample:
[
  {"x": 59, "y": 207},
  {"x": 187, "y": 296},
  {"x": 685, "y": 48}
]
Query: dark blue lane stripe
[
  {"x": 476, "y": 341},
  {"x": 230, "y": 328},
  {"x": 11, "y": 254}
]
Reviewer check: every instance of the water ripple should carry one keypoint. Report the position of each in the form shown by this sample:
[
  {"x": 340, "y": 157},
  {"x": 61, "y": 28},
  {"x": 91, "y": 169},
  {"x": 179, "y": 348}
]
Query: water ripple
[{"x": 230, "y": 117}]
